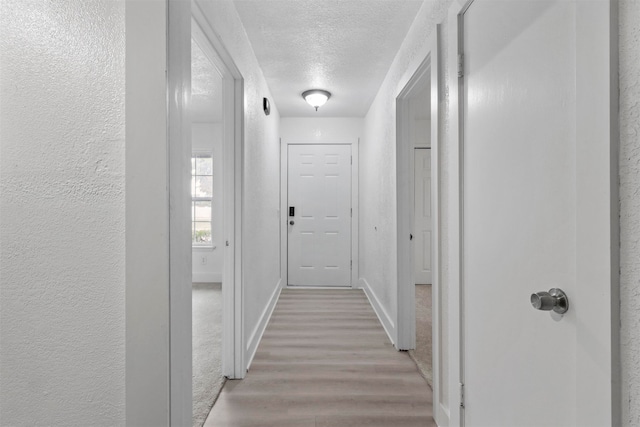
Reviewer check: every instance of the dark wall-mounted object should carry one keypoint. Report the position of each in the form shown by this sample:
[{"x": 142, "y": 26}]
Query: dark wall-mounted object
[{"x": 266, "y": 106}]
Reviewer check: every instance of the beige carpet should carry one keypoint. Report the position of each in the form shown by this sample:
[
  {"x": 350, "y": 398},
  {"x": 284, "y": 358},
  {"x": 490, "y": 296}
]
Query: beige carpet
[
  {"x": 207, "y": 348},
  {"x": 422, "y": 354}
]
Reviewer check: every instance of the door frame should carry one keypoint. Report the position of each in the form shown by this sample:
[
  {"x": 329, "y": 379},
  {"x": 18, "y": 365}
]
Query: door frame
[
  {"x": 158, "y": 248},
  {"x": 233, "y": 355},
  {"x": 424, "y": 71},
  {"x": 158, "y": 379},
  {"x": 284, "y": 196},
  {"x": 597, "y": 260}
]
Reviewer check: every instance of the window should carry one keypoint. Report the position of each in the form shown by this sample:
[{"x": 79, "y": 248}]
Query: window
[{"x": 201, "y": 199}]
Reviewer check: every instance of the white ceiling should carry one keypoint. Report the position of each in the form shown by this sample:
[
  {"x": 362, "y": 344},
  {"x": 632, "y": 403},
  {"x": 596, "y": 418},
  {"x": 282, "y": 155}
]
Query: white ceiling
[
  {"x": 343, "y": 46},
  {"x": 206, "y": 88}
]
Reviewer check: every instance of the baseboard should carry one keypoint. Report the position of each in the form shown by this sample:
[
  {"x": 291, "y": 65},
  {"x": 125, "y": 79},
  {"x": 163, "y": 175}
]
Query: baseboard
[
  {"x": 258, "y": 331},
  {"x": 383, "y": 316},
  {"x": 442, "y": 415},
  {"x": 206, "y": 277}
]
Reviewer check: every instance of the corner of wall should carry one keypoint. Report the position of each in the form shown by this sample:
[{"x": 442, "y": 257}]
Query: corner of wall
[
  {"x": 258, "y": 331},
  {"x": 383, "y": 316},
  {"x": 629, "y": 172}
]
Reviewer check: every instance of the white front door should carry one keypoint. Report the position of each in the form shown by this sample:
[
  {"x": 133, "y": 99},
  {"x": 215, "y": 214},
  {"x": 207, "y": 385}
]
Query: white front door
[
  {"x": 524, "y": 171},
  {"x": 422, "y": 216},
  {"x": 319, "y": 215}
]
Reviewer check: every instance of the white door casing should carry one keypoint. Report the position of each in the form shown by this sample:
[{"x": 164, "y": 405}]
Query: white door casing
[
  {"x": 422, "y": 217},
  {"x": 423, "y": 70},
  {"x": 234, "y": 358},
  {"x": 319, "y": 231},
  {"x": 535, "y": 203}
]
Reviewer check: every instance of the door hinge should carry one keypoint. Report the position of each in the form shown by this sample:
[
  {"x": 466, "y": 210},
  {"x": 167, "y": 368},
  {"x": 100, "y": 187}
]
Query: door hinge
[
  {"x": 351, "y": 159},
  {"x": 460, "y": 65},
  {"x": 461, "y": 395},
  {"x": 351, "y": 265},
  {"x": 351, "y": 213}
]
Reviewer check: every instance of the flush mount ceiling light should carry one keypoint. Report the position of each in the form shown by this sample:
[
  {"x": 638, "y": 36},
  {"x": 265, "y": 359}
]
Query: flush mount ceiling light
[{"x": 316, "y": 97}]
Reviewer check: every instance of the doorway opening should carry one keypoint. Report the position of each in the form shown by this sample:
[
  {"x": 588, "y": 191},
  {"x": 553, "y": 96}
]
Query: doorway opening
[
  {"x": 423, "y": 235},
  {"x": 206, "y": 231},
  {"x": 216, "y": 217},
  {"x": 418, "y": 194}
]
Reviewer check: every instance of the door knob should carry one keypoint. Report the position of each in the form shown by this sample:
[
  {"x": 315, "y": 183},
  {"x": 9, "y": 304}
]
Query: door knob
[
  {"x": 555, "y": 300},
  {"x": 291, "y": 223}
]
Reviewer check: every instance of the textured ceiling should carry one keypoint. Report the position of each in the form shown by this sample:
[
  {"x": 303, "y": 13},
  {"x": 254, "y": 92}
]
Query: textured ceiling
[
  {"x": 206, "y": 88},
  {"x": 343, "y": 46}
]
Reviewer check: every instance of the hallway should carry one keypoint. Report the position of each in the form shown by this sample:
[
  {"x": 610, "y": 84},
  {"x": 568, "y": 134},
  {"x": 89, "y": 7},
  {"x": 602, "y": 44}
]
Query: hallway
[
  {"x": 535, "y": 141},
  {"x": 325, "y": 360}
]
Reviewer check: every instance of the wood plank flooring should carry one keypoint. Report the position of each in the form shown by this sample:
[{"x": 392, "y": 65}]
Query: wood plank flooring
[{"x": 325, "y": 361}]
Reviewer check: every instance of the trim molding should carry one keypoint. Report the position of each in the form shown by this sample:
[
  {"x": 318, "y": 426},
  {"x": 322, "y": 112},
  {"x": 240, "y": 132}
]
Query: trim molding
[
  {"x": 233, "y": 365},
  {"x": 258, "y": 331},
  {"x": 383, "y": 316},
  {"x": 206, "y": 277}
]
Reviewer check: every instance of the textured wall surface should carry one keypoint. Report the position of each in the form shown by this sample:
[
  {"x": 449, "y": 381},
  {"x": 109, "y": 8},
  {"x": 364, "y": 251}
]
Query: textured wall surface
[
  {"x": 62, "y": 213},
  {"x": 261, "y": 233},
  {"x": 630, "y": 208},
  {"x": 378, "y": 264},
  {"x": 320, "y": 130}
]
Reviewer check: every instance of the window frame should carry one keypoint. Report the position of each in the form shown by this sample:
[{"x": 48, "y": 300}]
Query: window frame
[{"x": 194, "y": 199}]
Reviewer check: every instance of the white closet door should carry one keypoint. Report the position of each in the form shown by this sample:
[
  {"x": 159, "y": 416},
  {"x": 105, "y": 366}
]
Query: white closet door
[{"x": 422, "y": 216}]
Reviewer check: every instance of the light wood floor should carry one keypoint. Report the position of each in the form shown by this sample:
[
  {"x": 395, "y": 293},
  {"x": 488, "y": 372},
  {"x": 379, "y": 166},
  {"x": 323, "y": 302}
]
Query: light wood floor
[{"x": 325, "y": 361}]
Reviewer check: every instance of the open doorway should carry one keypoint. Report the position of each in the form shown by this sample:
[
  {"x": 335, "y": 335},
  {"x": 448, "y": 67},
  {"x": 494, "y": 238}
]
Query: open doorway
[
  {"x": 420, "y": 135},
  {"x": 418, "y": 189},
  {"x": 206, "y": 231},
  {"x": 417, "y": 120},
  {"x": 216, "y": 167}
]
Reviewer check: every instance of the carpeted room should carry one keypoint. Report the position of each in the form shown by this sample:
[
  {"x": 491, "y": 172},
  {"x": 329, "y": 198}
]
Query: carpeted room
[{"x": 207, "y": 348}]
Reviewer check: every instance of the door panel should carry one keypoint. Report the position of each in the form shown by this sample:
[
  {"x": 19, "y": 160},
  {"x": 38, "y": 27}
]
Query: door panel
[
  {"x": 519, "y": 211},
  {"x": 422, "y": 216},
  {"x": 319, "y": 188}
]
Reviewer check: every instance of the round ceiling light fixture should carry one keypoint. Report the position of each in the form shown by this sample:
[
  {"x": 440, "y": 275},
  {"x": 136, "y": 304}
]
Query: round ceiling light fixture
[{"x": 316, "y": 97}]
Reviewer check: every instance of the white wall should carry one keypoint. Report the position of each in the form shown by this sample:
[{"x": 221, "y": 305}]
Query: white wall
[
  {"x": 378, "y": 219},
  {"x": 630, "y": 208},
  {"x": 320, "y": 130},
  {"x": 207, "y": 137},
  {"x": 62, "y": 210},
  {"x": 261, "y": 186}
]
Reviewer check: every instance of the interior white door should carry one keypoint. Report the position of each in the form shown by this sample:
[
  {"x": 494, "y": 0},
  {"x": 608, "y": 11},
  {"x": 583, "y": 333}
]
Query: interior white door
[
  {"x": 319, "y": 221},
  {"x": 422, "y": 216},
  {"x": 521, "y": 366}
]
